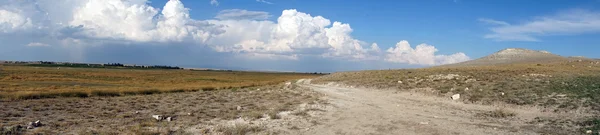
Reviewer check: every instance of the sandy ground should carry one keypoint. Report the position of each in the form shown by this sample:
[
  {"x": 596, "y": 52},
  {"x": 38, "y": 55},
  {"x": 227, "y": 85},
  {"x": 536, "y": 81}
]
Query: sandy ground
[{"x": 368, "y": 111}]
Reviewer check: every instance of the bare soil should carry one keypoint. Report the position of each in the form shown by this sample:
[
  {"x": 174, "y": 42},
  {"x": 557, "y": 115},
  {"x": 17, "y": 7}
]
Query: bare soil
[{"x": 372, "y": 111}]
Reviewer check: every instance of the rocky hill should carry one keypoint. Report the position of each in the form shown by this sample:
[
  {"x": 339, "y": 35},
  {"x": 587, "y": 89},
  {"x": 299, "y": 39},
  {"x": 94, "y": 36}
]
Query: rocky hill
[{"x": 512, "y": 56}]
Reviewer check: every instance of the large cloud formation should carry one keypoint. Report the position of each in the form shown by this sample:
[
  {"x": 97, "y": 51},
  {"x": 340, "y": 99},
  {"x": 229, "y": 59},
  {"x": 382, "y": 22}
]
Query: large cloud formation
[
  {"x": 421, "y": 54},
  {"x": 293, "y": 36}
]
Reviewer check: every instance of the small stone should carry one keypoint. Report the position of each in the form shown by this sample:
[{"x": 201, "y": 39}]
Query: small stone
[
  {"x": 257, "y": 89},
  {"x": 467, "y": 89},
  {"x": 470, "y": 80},
  {"x": 37, "y": 123},
  {"x": 189, "y": 114},
  {"x": 588, "y": 131},
  {"x": 502, "y": 93},
  {"x": 30, "y": 125},
  {"x": 157, "y": 117},
  {"x": 400, "y": 82},
  {"x": 239, "y": 108},
  {"x": 137, "y": 112},
  {"x": 455, "y": 97}
]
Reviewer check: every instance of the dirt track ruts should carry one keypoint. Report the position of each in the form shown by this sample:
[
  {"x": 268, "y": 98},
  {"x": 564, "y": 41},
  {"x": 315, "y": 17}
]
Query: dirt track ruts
[{"x": 367, "y": 111}]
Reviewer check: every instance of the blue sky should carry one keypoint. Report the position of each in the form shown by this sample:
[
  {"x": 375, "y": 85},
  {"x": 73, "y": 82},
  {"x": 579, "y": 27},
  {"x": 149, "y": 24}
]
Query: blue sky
[
  {"x": 293, "y": 35},
  {"x": 452, "y": 26}
]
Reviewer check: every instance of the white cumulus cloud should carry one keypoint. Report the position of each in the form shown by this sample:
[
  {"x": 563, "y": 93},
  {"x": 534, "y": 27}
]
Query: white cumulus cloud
[
  {"x": 134, "y": 20},
  {"x": 570, "y": 22},
  {"x": 422, "y": 54},
  {"x": 249, "y": 34},
  {"x": 294, "y": 33},
  {"x": 11, "y": 21},
  {"x": 240, "y": 14},
  {"x": 37, "y": 44}
]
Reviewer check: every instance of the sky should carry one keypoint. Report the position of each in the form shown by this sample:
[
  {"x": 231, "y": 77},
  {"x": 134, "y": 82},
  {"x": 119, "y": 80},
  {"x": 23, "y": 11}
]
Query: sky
[{"x": 293, "y": 35}]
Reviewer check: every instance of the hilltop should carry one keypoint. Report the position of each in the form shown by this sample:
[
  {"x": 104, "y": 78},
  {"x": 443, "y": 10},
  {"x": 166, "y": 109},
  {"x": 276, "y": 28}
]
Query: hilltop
[{"x": 514, "y": 56}]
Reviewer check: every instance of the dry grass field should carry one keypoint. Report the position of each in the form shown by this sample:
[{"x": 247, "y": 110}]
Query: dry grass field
[
  {"x": 198, "y": 112},
  {"x": 566, "y": 86},
  {"x": 122, "y": 101},
  {"x": 26, "y": 82}
]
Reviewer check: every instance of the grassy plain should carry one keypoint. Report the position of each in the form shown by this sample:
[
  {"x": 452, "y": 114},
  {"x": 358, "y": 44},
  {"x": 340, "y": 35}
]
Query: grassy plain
[
  {"x": 564, "y": 85},
  {"x": 569, "y": 87},
  {"x": 27, "y": 82}
]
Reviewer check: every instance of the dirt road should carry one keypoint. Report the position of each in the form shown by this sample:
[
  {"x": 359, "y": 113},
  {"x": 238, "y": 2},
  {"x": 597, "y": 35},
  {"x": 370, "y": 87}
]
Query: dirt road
[{"x": 367, "y": 111}]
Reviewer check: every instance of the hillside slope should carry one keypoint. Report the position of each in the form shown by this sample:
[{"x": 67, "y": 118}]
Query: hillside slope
[{"x": 513, "y": 56}]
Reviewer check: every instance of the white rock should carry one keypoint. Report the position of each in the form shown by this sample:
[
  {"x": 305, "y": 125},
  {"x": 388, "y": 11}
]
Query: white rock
[
  {"x": 470, "y": 80},
  {"x": 189, "y": 114},
  {"x": 239, "y": 108},
  {"x": 455, "y": 97},
  {"x": 466, "y": 89},
  {"x": 37, "y": 123},
  {"x": 157, "y": 117},
  {"x": 30, "y": 125},
  {"x": 288, "y": 83},
  {"x": 136, "y": 112},
  {"x": 400, "y": 82},
  {"x": 502, "y": 93},
  {"x": 588, "y": 131}
]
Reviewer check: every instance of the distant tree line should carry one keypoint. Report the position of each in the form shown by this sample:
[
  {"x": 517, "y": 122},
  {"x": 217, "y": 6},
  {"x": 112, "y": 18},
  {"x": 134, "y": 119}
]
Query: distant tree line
[
  {"x": 86, "y": 65},
  {"x": 319, "y": 73}
]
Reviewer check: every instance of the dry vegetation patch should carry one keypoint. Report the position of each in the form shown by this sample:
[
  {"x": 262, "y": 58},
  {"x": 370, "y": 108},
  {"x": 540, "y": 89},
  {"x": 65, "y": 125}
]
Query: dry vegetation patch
[
  {"x": 26, "y": 82},
  {"x": 498, "y": 113},
  {"x": 555, "y": 85},
  {"x": 569, "y": 86},
  {"x": 132, "y": 114}
]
